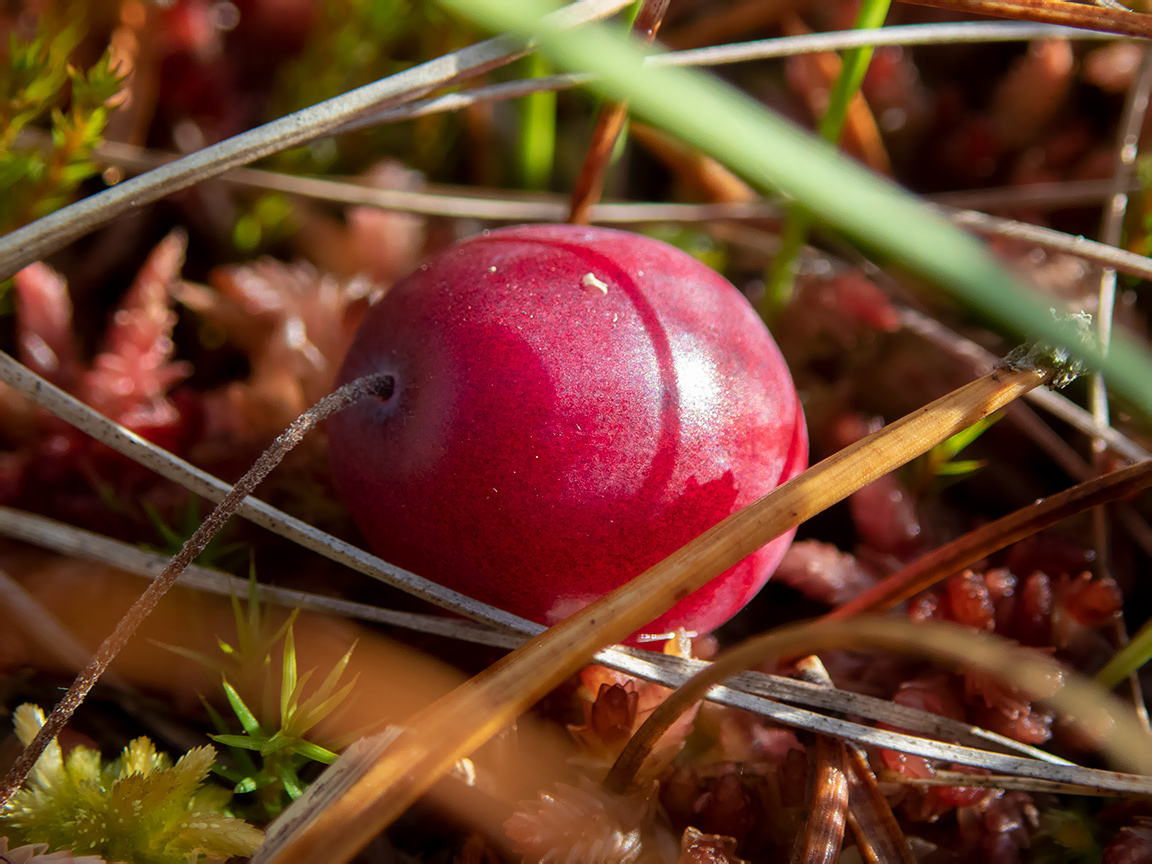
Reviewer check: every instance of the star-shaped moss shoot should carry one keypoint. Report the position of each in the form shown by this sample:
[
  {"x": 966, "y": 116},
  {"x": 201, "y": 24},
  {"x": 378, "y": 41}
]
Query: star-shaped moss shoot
[{"x": 139, "y": 807}]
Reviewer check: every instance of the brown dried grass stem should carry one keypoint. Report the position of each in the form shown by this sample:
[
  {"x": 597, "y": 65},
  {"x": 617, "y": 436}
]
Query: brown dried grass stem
[
  {"x": 340, "y": 399},
  {"x": 1106, "y": 718},
  {"x": 823, "y": 834},
  {"x": 1052, "y": 12},
  {"x": 590, "y": 184},
  {"x": 356, "y": 798},
  {"x": 875, "y": 827},
  {"x": 966, "y": 550},
  {"x": 821, "y": 838}
]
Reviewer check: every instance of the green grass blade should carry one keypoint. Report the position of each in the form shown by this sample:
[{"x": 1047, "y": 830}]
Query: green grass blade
[
  {"x": 773, "y": 153},
  {"x": 1133, "y": 655},
  {"x": 537, "y": 150},
  {"x": 782, "y": 277}
]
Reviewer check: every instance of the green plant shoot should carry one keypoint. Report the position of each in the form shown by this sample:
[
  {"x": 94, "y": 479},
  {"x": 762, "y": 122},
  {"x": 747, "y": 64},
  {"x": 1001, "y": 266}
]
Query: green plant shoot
[
  {"x": 782, "y": 275},
  {"x": 140, "y": 807}
]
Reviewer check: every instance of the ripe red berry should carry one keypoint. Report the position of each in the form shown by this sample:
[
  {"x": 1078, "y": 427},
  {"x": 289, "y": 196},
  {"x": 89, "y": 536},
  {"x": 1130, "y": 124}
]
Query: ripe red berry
[{"x": 570, "y": 405}]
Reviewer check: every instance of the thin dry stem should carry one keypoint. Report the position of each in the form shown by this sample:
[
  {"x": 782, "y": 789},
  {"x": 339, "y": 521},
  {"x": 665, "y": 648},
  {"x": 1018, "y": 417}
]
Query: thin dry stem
[
  {"x": 875, "y": 827},
  {"x": 1052, "y": 12},
  {"x": 1111, "y": 227},
  {"x": 1111, "y": 721},
  {"x": 661, "y": 668},
  {"x": 1040, "y": 196},
  {"x": 951, "y": 33},
  {"x": 375, "y": 794},
  {"x": 590, "y": 184},
  {"x": 1090, "y": 250},
  {"x": 69, "y": 540},
  {"x": 46, "y": 235},
  {"x": 821, "y": 838},
  {"x": 823, "y": 834},
  {"x": 952, "y": 557},
  {"x": 371, "y": 385}
]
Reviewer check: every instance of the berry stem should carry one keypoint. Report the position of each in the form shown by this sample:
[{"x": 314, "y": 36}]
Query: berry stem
[
  {"x": 369, "y": 385},
  {"x": 367, "y": 790}
]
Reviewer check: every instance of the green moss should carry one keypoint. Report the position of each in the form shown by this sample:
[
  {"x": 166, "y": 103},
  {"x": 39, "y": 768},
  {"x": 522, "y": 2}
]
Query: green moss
[{"x": 139, "y": 807}]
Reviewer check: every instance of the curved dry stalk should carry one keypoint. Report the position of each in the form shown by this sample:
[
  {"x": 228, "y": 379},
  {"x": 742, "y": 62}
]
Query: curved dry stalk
[
  {"x": 46, "y": 235},
  {"x": 537, "y": 208},
  {"x": 1109, "y": 720},
  {"x": 670, "y": 671},
  {"x": 1111, "y": 227},
  {"x": 359, "y": 797},
  {"x": 1109, "y": 20},
  {"x": 553, "y": 208},
  {"x": 764, "y": 49},
  {"x": 952, "y": 557},
  {"x": 87, "y": 545},
  {"x": 951, "y": 33},
  {"x": 338, "y": 400}
]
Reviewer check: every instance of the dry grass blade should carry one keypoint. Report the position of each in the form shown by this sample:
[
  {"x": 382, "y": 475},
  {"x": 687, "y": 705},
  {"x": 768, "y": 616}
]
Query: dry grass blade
[
  {"x": 752, "y": 691},
  {"x": 340, "y": 399},
  {"x": 590, "y": 182},
  {"x": 165, "y": 464},
  {"x": 37, "y": 240},
  {"x": 1113, "y": 723},
  {"x": 372, "y": 795},
  {"x": 1090, "y": 250},
  {"x": 1050, "y": 401},
  {"x": 1052, "y": 12},
  {"x": 874, "y": 825},
  {"x": 954, "y": 556}
]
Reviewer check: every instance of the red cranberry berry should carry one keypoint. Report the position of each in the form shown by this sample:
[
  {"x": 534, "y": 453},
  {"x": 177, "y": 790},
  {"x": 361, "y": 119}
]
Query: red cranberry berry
[{"x": 569, "y": 406}]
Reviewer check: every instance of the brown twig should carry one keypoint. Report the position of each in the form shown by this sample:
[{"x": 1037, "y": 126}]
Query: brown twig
[
  {"x": 370, "y": 385},
  {"x": 590, "y": 184}
]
